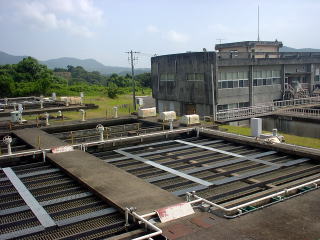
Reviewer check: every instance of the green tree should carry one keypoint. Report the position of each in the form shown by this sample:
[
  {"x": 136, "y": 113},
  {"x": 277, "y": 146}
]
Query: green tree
[{"x": 6, "y": 85}]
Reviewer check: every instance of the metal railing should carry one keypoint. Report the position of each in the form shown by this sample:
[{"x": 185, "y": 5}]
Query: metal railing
[
  {"x": 283, "y": 55},
  {"x": 240, "y": 113},
  {"x": 306, "y": 112},
  {"x": 192, "y": 198}
]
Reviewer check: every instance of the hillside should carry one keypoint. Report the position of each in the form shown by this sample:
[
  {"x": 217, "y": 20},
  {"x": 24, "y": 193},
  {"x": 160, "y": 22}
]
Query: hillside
[
  {"x": 6, "y": 58},
  {"x": 87, "y": 64},
  {"x": 289, "y": 49}
]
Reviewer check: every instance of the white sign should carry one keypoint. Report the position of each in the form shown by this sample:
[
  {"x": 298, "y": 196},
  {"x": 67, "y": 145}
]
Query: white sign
[
  {"x": 174, "y": 212},
  {"x": 62, "y": 149}
]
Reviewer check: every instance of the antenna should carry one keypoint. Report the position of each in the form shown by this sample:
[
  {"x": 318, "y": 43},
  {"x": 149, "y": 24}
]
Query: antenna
[
  {"x": 220, "y": 40},
  {"x": 258, "y": 24}
]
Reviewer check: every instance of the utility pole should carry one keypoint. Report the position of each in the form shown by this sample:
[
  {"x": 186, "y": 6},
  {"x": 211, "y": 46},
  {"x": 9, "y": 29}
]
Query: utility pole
[
  {"x": 258, "y": 24},
  {"x": 132, "y": 58}
]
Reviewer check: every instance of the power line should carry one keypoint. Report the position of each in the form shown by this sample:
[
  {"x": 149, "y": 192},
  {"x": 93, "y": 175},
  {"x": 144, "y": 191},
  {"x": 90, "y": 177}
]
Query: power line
[
  {"x": 220, "y": 40},
  {"x": 132, "y": 59}
]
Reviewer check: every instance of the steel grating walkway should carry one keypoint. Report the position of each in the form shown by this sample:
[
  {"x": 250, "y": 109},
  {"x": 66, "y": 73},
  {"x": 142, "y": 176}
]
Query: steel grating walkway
[
  {"x": 39, "y": 201},
  {"x": 215, "y": 168}
]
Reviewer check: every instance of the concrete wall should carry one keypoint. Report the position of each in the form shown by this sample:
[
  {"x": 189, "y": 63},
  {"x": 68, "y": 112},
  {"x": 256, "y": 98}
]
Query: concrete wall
[{"x": 181, "y": 93}]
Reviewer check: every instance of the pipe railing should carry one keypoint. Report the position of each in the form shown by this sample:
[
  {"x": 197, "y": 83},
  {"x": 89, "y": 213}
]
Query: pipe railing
[
  {"x": 303, "y": 111},
  {"x": 84, "y": 146},
  {"x": 142, "y": 219},
  {"x": 269, "y": 107},
  {"x": 197, "y": 199}
]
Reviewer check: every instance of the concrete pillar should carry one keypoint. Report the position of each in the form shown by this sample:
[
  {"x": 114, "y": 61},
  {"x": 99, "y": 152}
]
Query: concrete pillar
[
  {"x": 312, "y": 76},
  {"x": 213, "y": 89},
  {"x": 115, "y": 109},
  {"x": 251, "y": 88},
  {"x": 83, "y": 115},
  {"x": 283, "y": 79}
]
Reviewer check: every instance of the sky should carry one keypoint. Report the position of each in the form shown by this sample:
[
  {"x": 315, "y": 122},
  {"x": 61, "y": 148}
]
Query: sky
[{"x": 106, "y": 29}]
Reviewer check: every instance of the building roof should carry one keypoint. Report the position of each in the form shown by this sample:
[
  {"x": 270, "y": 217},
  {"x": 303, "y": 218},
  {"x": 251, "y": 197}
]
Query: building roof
[{"x": 248, "y": 44}]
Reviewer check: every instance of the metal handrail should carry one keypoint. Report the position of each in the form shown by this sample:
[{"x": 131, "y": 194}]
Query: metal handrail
[
  {"x": 238, "y": 207},
  {"x": 265, "y": 108}
]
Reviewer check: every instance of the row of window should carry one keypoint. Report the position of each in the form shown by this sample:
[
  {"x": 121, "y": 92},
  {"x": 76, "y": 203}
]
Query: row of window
[
  {"x": 232, "y": 105},
  {"x": 240, "y": 79},
  {"x": 233, "y": 84},
  {"x": 244, "y": 75},
  {"x": 169, "y": 77},
  {"x": 245, "y": 83},
  {"x": 266, "y": 81}
]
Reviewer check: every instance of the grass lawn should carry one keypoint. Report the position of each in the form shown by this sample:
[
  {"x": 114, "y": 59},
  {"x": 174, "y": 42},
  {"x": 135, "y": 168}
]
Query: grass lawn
[
  {"x": 291, "y": 139},
  {"x": 105, "y": 105}
]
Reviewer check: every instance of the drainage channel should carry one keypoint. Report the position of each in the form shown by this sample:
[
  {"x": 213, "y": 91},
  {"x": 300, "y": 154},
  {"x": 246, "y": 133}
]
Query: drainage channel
[{"x": 39, "y": 201}]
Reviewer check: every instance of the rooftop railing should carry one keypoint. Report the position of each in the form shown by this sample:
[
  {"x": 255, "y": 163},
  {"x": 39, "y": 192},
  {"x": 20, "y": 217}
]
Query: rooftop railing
[{"x": 258, "y": 55}]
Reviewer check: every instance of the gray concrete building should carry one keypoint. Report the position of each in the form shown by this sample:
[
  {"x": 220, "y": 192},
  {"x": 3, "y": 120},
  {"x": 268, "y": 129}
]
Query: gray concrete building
[{"x": 236, "y": 75}]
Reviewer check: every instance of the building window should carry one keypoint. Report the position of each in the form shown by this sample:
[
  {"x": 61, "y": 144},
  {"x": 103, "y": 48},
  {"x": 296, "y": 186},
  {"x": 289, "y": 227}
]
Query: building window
[
  {"x": 233, "y": 80},
  {"x": 167, "y": 77},
  {"x": 195, "y": 77},
  {"x": 266, "y": 78},
  {"x": 317, "y": 78},
  {"x": 276, "y": 81},
  {"x": 232, "y": 106}
]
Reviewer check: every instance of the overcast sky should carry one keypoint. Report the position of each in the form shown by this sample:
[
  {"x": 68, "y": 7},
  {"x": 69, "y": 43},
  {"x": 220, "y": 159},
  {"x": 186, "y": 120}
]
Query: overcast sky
[{"x": 105, "y": 29}]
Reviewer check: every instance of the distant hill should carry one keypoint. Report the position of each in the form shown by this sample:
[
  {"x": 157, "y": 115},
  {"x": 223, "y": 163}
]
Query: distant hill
[
  {"x": 88, "y": 64},
  {"x": 6, "y": 58},
  {"x": 289, "y": 49}
]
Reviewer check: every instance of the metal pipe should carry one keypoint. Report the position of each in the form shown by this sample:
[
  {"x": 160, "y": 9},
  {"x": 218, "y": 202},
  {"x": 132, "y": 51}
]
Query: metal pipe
[
  {"x": 157, "y": 230},
  {"x": 285, "y": 191},
  {"x": 104, "y": 142}
]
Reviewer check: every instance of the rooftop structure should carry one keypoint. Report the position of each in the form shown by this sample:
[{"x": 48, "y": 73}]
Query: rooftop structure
[{"x": 249, "y": 46}]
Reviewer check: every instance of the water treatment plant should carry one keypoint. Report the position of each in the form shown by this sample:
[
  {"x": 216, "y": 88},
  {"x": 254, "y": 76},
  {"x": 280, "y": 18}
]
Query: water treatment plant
[{"x": 168, "y": 170}]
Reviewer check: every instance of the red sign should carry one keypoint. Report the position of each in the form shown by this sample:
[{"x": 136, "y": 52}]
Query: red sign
[
  {"x": 174, "y": 212},
  {"x": 62, "y": 149}
]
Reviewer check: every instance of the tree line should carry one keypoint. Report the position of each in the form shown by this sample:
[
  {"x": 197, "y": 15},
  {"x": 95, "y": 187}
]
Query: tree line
[{"x": 28, "y": 77}]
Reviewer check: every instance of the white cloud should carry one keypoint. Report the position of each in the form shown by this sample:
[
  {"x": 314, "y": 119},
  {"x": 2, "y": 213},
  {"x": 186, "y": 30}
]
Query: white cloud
[
  {"x": 174, "y": 36},
  {"x": 152, "y": 29},
  {"x": 72, "y": 16}
]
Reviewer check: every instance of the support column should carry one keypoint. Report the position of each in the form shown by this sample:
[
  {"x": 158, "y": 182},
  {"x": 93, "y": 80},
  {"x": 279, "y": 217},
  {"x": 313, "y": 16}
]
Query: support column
[
  {"x": 283, "y": 79},
  {"x": 312, "y": 76},
  {"x": 251, "y": 92},
  {"x": 213, "y": 90}
]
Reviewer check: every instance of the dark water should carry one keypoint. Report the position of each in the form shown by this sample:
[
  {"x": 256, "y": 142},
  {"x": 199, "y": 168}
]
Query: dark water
[{"x": 293, "y": 127}]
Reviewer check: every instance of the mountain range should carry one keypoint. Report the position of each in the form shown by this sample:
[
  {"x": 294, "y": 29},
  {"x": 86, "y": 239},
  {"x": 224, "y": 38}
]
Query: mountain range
[
  {"x": 87, "y": 64},
  {"x": 93, "y": 65},
  {"x": 289, "y": 49}
]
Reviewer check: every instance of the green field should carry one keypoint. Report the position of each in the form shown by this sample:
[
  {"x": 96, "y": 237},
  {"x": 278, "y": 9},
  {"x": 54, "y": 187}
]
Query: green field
[
  {"x": 291, "y": 139},
  {"x": 105, "y": 107}
]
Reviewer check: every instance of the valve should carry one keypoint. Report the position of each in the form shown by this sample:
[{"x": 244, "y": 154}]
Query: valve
[
  {"x": 83, "y": 114},
  {"x": 100, "y": 130},
  {"x": 8, "y": 140},
  {"x": 47, "y": 118}
]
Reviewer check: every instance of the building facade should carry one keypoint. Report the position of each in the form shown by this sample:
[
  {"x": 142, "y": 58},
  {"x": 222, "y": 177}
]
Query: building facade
[{"x": 237, "y": 75}]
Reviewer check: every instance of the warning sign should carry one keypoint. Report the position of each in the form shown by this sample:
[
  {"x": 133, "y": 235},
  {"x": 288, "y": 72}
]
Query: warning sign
[
  {"x": 62, "y": 149},
  {"x": 174, "y": 212}
]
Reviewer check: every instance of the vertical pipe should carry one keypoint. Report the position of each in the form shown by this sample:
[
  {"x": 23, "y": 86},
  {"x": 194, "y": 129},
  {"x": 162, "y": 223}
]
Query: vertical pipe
[{"x": 214, "y": 113}]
